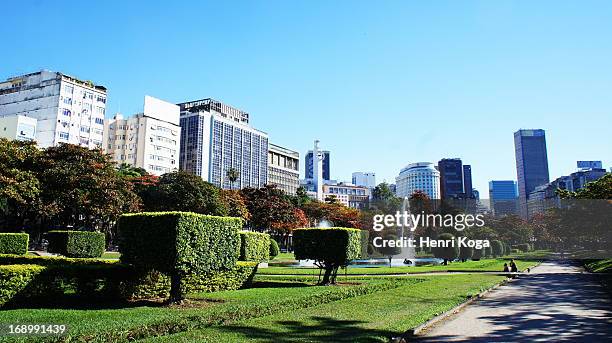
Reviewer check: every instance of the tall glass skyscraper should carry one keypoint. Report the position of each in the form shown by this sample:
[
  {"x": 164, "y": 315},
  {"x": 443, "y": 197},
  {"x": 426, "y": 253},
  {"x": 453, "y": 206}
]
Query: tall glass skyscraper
[
  {"x": 216, "y": 138},
  {"x": 503, "y": 195},
  {"x": 451, "y": 178},
  {"x": 531, "y": 163},
  {"x": 467, "y": 182}
]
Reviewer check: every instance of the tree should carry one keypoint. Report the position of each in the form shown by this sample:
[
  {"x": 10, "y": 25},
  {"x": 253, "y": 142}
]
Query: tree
[
  {"x": 331, "y": 199},
  {"x": 181, "y": 191},
  {"x": 465, "y": 253},
  {"x": 598, "y": 189},
  {"x": 447, "y": 253},
  {"x": 269, "y": 208},
  {"x": 235, "y": 204},
  {"x": 82, "y": 188},
  {"x": 129, "y": 171},
  {"x": 232, "y": 175},
  {"x": 497, "y": 248},
  {"x": 387, "y": 250}
]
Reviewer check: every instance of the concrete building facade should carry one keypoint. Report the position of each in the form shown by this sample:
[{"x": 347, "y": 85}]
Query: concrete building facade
[
  {"x": 217, "y": 138},
  {"x": 67, "y": 110},
  {"x": 18, "y": 127},
  {"x": 283, "y": 168},
  {"x": 365, "y": 179},
  {"x": 150, "y": 140},
  {"x": 348, "y": 194}
]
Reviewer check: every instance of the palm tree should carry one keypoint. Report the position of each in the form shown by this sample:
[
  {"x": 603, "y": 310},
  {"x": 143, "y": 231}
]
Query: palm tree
[{"x": 232, "y": 175}]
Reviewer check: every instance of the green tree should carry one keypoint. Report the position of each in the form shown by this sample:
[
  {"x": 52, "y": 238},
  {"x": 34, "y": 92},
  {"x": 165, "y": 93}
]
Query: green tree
[
  {"x": 82, "y": 188},
  {"x": 598, "y": 189},
  {"x": 181, "y": 191},
  {"x": 235, "y": 204},
  {"x": 447, "y": 253},
  {"x": 232, "y": 175}
]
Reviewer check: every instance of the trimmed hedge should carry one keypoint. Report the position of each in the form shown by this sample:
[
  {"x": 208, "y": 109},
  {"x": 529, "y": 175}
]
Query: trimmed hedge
[
  {"x": 274, "y": 249},
  {"x": 365, "y": 241},
  {"x": 497, "y": 248},
  {"x": 69, "y": 243},
  {"x": 36, "y": 283},
  {"x": 447, "y": 253},
  {"x": 331, "y": 248},
  {"x": 254, "y": 246},
  {"x": 179, "y": 244},
  {"x": 14, "y": 243},
  {"x": 6, "y": 259},
  {"x": 154, "y": 284},
  {"x": 465, "y": 253},
  {"x": 523, "y": 247}
]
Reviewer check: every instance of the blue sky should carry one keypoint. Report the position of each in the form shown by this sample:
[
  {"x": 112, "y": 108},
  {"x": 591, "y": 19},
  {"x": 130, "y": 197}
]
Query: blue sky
[{"x": 380, "y": 83}]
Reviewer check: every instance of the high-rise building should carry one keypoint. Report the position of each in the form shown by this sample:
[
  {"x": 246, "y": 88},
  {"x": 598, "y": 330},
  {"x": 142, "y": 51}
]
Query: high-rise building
[
  {"x": 451, "y": 178},
  {"x": 283, "y": 168},
  {"x": 217, "y": 138},
  {"x": 531, "y": 164},
  {"x": 420, "y": 176},
  {"x": 364, "y": 179},
  {"x": 503, "y": 195},
  {"x": 67, "y": 110},
  {"x": 309, "y": 165},
  {"x": 467, "y": 182},
  {"x": 18, "y": 127},
  {"x": 148, "y": 140}
]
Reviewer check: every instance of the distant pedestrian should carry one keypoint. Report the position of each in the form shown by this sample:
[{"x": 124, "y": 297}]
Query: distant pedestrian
[
  {"x": 506, "y": 268},
  {"x": 513, "y": 267}
]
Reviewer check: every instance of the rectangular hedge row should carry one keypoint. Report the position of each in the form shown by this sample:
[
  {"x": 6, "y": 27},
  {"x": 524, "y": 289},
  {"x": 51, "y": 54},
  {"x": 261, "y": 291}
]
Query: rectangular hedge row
[
  {"x": 334, "y": 244},
  {"x": 254, "y": 246},
  {"x": 14, "y": 243},
  {"x": 8, "y": 259},
  {"x": 76, "y": 243}
]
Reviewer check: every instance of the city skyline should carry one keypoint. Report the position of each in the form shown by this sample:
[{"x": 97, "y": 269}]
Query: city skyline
[{"x": 351, "y": 84}]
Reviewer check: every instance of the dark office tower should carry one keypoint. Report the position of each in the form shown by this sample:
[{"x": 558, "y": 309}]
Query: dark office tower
[
  {"x": 310, "y": 167},
  {"x": 531, "y": 163},
  {"x": 467, "y": 181},
  {"x": 451, "y": 178}
]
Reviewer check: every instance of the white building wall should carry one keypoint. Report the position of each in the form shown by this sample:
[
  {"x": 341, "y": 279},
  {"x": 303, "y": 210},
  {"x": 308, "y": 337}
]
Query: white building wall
[
  {"x": 421, "y": 176},
  {"x": 146, "y": 140},
  {"x": 18, "y": 127},
  {"x": 67, "y": 110}
]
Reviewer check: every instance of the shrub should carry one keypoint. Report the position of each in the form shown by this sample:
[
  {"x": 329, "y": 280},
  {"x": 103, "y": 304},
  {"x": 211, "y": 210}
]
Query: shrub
[
  {"x": 155, "y": 284},
  {"x": 365, "y": 241},
  {"x": 14, "y": 243},
  {"x": 15, "y": 279},
  {"x": 254, "y": 246},
  {"x": 387, "y": 250},
  {"x": 274, "y": 249},
  {"x": 497, "y": 248},
  {"x": 447, "y": 253},
  {"x": 28, "y": 282},
  {"x": 477, "y": 254},
  {"x": 331, "y": 248},
  {"x": 179, "y": 244},
  {"x": 76, "y": 243},
  {"x": 465, "y": 253},
  {"x": 523, "y": 247},
  {"x": 51, "y": 260}
]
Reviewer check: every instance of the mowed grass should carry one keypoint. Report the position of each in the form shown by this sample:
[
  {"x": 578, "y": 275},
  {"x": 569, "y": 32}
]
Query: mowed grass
[
  {"x": 599, "y": 266},
  {"x": 121, "y": 322},
  {"x": 493, "y": 265},
  {"x": 369, "y": 318},
  {"x": 111, "y": 255}
]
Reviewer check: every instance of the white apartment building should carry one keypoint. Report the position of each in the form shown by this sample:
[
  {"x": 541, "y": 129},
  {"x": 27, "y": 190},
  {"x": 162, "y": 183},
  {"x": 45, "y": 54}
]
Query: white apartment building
[
  {"x": 67, "y": 110},
  {"x": 18, "y": 127},
  {"x": 420, "y": 176},
  {"x": 148, "y": 140}
]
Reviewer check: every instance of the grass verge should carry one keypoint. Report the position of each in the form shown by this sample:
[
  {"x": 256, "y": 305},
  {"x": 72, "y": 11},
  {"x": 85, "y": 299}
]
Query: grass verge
[{"x": 372, "y": 318}]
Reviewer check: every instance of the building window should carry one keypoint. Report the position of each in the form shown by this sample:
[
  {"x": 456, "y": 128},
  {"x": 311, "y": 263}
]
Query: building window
[
  {"x": 99, "y": 121},
  {"x": 64, "y": 135}
]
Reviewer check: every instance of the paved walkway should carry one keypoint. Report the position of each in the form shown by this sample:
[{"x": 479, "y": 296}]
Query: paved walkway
[{"x": 556, "y": 302}]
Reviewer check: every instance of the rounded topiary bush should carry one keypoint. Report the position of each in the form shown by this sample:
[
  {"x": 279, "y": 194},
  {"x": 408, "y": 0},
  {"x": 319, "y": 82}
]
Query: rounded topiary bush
[
  {"x": 465, "y": 253},
  {"x": 497, "y": 248},
  {"x": 274, "y": 249},
  {"x": 523, "y": 247},
  {"x": 477, "y": 254},
  {"x": 488, "y": 252},
  {"x": 447, "y": 253}
]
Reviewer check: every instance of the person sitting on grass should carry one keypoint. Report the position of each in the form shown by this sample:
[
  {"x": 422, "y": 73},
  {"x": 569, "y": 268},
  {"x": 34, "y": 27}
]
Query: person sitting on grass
[
  {"x": 506, "y": 268},
  {"x": 513, "y": 267}
]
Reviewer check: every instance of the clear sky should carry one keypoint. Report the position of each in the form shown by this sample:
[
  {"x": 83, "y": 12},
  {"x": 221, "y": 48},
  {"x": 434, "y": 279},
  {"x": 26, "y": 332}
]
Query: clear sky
[{"x": 380, "y": 83}]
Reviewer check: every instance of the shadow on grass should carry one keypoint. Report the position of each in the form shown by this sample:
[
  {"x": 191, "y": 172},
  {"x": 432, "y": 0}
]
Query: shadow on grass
[
  {"x": 74, "y": 302},
  {"x": 317, "y": 329}
]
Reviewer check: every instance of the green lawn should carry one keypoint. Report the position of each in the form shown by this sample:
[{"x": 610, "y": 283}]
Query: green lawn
[
  {"x": 284, "y": 256},
  {"x": 369, "y": 318},
  {"x": 111, "y": 255},
  {"x": 88, "y": 322},
  {"x": 496, "y": 265},
  {"x": 599, "y": 266}
]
